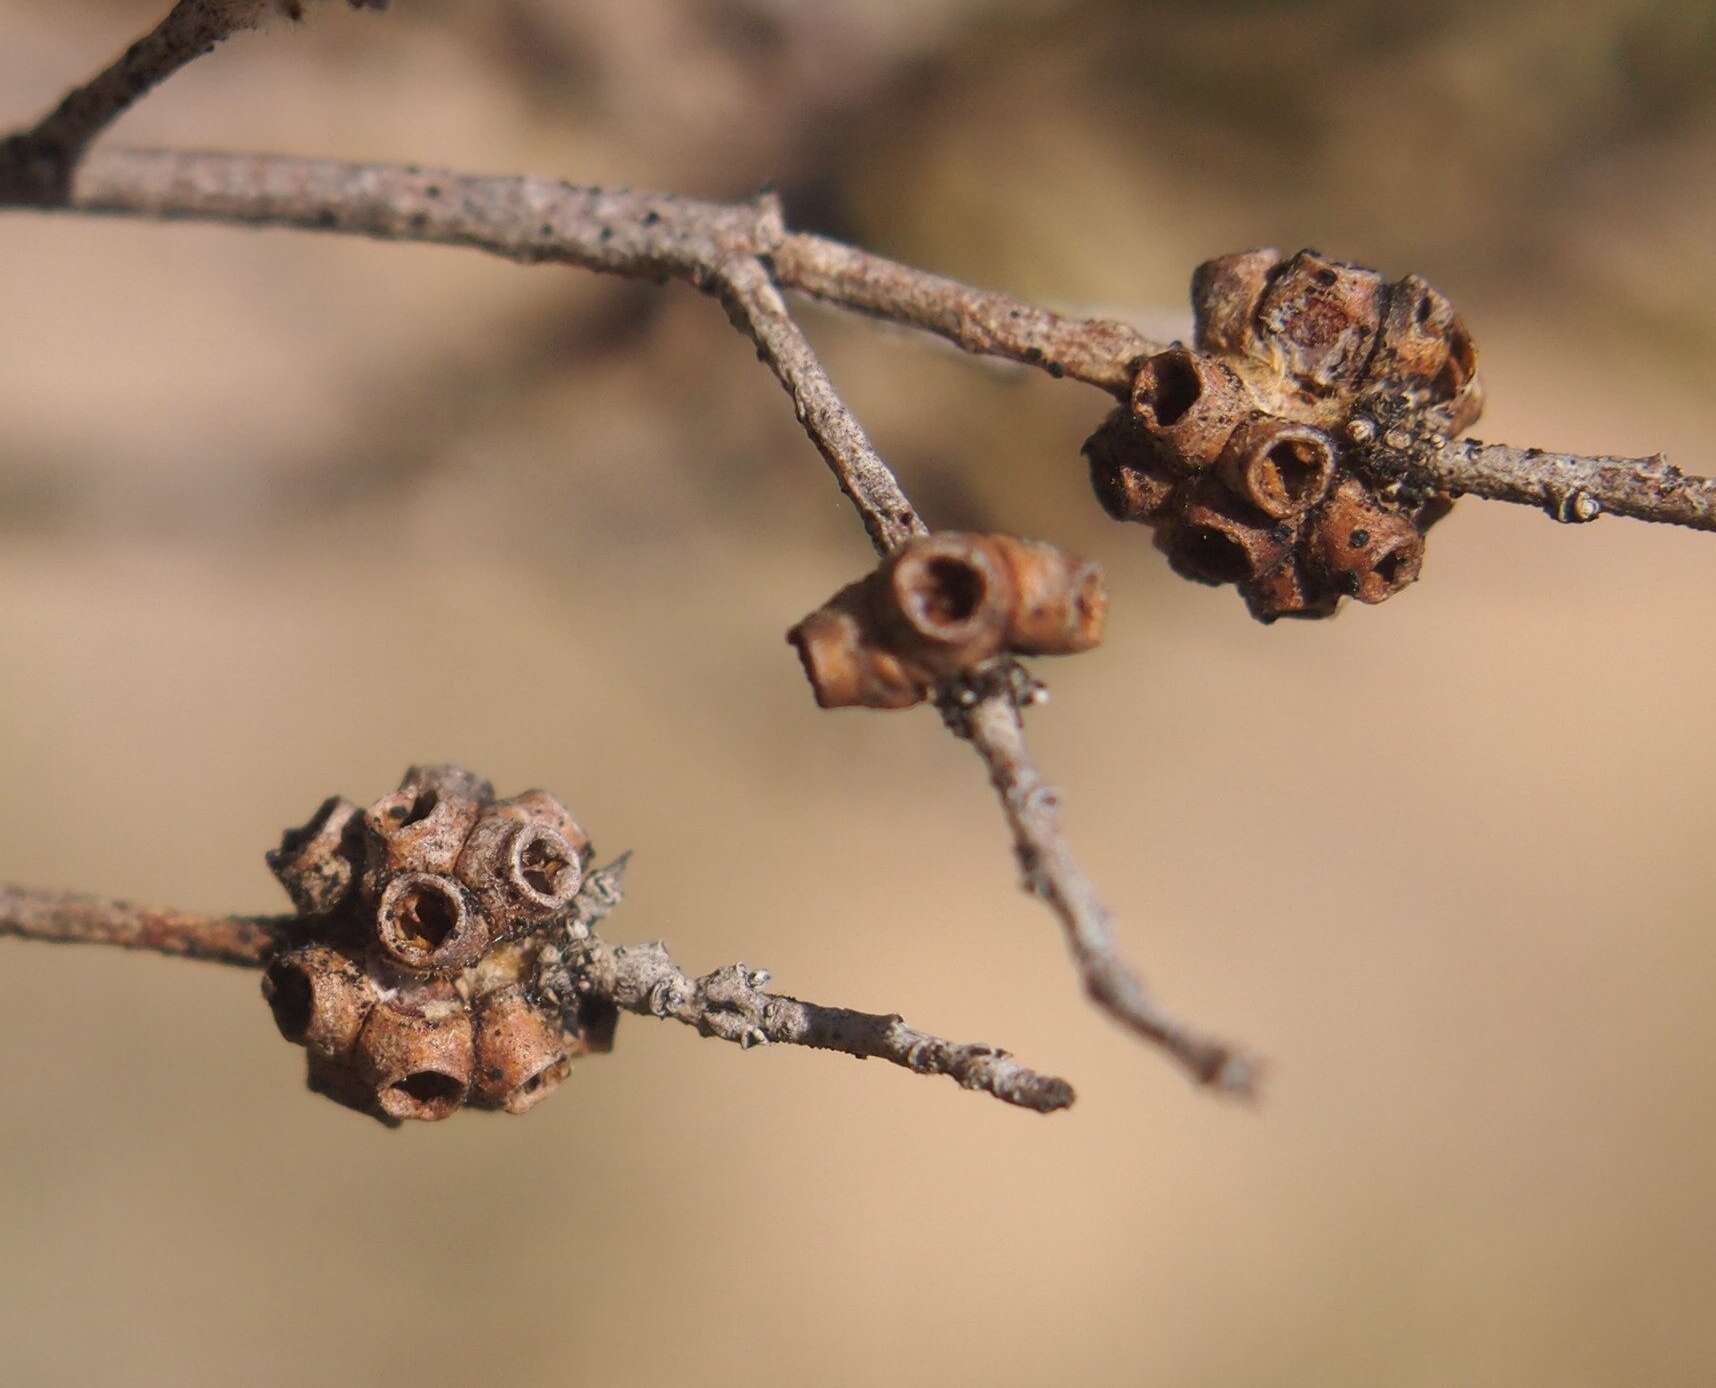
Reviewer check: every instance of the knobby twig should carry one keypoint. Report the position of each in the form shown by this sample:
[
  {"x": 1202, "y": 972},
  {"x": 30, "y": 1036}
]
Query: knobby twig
[
  {"x": 247, "y": 941},
  {"x": 728, "y": 1004}
]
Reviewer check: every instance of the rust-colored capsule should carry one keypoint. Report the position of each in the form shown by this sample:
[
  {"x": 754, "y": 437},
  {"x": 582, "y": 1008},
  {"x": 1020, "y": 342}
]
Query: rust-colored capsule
[
  {"x": 844, "y": 666},
  {"x": 1321, "y": 318},
  {"x": 1060, "y": 604},
  {"x": 318, "y": 863},
  {"x": 539, "y": 807},
  {"x": 1355, "y": 546},
  {"x": 319, "y": 998},
  {"x": 422, "y": 826},
  {"x": 520, "y": 871},
  {"x": 1423, "y": 340},
  {"x": 521, "y": 1055},
  {"x": 428, "y": 923},
  {"x": 1217, "y": 540},
  {"x": 416, "y": 1054},
  {"x": 1189, "y": 402},
  {"x": 1226, "y": 293},
  {"x": 1282, "y": 469},
  {"x": 943, "y": 602},
  {"x": 1285, "y": 591},
  {"x": 1127, "y": 472}
]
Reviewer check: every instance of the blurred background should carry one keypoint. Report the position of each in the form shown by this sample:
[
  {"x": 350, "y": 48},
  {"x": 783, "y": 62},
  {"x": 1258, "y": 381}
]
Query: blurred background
[{"x": 281, "y": 514}]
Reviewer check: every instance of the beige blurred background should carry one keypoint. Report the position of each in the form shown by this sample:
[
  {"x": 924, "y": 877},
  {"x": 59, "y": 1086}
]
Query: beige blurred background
[{"x": 280, "y": 514}]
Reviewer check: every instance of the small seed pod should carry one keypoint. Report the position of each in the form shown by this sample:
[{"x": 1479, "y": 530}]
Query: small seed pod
[
  {"x": 1354, "y": 546},
  {"x": 1226, "y": 293},
  {"x": 422, "y": 826},
  {"x": 521, "y": 1056},
  {"x": 1320, "y": 317},
  {"x": 943, "y": 601},
  {"x": 1282, "y": 469},
  {"x": 319, "y": 998},
  {"x": 428, "y": 923},
  {"x": 1189, "y": 403},
  {"x": 1216, "y": 539},
  {"x": 1060, "y": 605},
  {"x": 521, "y": 872},
  {"x": 1423, "y": 341},
  {"x": 1127, "y": 472},
  {"x": 842, "y": 662},
  {"x": 539, "y": 807},
  {"x": 415, "y": 1053},
  {"x": 1285, "y": 591},
  {"x": 318, "y": 863}
]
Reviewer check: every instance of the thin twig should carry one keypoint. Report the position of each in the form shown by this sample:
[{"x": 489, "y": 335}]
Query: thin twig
[
  {"x": 660, "y": 236},
  {"x": 1573, "y": 488},
  {"x": 36, "y": 164},
  {"x": 992, "y": 724},
  {"x": 730, "y": 1004},
  {"x": 1050, "y": 872},
  {"x": 247, "y": 941},
  {"x": 755, "y": 306},
  {"x": 1098, "y": 351}
]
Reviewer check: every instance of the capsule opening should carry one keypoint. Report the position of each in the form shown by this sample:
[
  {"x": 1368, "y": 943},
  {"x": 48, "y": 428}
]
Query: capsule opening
[{"x": 1173, "y": 388}]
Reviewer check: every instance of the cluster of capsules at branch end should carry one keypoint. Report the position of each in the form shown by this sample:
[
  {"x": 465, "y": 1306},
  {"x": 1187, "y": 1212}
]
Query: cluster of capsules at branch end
[
  {"x": 945, "y": 606},
  {"x": 422, "y": 922},
  {"x": 1269, "y": 454}
]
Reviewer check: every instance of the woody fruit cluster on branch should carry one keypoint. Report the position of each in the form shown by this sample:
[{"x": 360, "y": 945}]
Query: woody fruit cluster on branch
[
  {"x": 942, "y": 606},
  {"x": 410, "y": 988},
  {"x": 1258, "y": 456}
]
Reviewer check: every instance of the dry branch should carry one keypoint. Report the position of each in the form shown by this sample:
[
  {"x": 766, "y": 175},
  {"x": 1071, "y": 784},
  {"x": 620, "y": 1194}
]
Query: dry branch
[{"x": 728, "y": 1004}]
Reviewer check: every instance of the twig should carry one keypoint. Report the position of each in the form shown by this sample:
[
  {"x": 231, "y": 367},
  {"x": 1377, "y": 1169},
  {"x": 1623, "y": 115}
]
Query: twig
[
  {"x": 247, "y": 941},
  {"x": 730, "y": 1004},
  {"x": 659, "y": 236},
  {"x": 1033, "y": 811},
  {"x": 1098, "y": 351},
  {"x": 755, "y": 306},
  {"x": 992, "y": 722},
  {"x": 36, "y": 164},
  {"x": 1573, "y": 488}
]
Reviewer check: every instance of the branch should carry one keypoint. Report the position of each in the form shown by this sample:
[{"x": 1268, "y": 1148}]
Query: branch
[
  {"x": 730, "y": 1004},
  {"x": 36, "y": 164},
  {"x": 991, "y": 720},
  {"x": 247, "y": 941},
  {"x": 1572, "y": 488},
  {"x": 1032, "y": 808},
  {"x": 754, "y": 305},
  {"x": 1098, "y": 351}
]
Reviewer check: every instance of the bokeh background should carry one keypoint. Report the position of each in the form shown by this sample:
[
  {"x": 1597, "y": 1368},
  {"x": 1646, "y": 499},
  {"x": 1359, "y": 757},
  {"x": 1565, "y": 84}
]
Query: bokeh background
[{"x": 281, "y": 514}]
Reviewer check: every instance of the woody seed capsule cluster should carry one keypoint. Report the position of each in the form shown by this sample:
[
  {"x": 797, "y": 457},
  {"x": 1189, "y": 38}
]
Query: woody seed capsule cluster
[
  {"x": 1259, "y": 456},
  {"x": 941, "y": 606},
  {"x": 410, "y": 991}
]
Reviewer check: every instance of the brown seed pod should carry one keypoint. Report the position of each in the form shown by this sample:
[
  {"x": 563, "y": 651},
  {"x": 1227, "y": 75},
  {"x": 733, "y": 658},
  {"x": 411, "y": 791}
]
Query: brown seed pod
[
  {"x": 318, "y": 863},
  {"x": 520, "y": 871},
  {"x": 1059, "y": 605},
  {"x": 1226, "y": 293},
  {"x": 428, "y": 923},
  {"x": 1423, "y": 341},
  {"x": 422, "y": 826},
  {"x": 1357, "y": 547},
  {"x": 845, "y": 667},
  {"x": 1280, "y": 468},
  {"x": 1189, "y": 403},
  {"x": 416, "y": 1053},
  {"x": 1216, "y": 539},
  {"x": 521, "y": 1055},
  {"x": 943, "y": 602},
  {"x": 539, "y": 807},
  {"x": 1127, "y": 471},
  {"x": 1320, "y": 319},
  {"x": 319, "y": 997}
]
